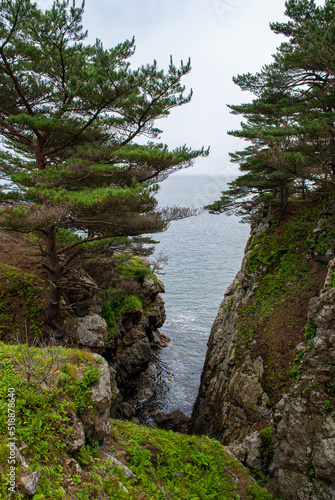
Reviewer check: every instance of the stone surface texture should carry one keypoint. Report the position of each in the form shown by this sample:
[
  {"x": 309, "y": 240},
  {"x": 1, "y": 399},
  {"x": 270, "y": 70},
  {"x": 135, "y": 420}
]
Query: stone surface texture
[
  {"x": 232, "y": 404},
  {"x": 304, "y": 422},
  {"x": 231, "y": 400}
]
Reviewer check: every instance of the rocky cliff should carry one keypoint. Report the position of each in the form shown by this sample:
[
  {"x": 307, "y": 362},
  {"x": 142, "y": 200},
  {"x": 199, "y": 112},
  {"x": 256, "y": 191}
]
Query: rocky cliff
[
  {"x": 267, "y": 387},
  {"x": 111, "y": 305}
]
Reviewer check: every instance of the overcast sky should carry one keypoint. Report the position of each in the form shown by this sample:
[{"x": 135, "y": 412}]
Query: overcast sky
[{"x": 223, "y": 38}]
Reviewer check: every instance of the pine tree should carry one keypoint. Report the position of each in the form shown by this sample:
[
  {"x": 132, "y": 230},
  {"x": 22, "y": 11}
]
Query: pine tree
[
  {"x": 291, "y": 121},
  {"x": 69, "y": 114}
]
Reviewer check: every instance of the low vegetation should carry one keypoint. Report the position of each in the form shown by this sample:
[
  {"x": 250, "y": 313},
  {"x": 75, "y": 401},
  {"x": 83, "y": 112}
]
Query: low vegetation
[
  {"x": 283, "y": 265},
  {"x": 166, "y": 464}
]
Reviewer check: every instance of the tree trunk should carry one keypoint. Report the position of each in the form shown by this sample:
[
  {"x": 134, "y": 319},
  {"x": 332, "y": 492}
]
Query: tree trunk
[
  {"x": 54, "y": 270},
  {"x": 283, "y": 198}
]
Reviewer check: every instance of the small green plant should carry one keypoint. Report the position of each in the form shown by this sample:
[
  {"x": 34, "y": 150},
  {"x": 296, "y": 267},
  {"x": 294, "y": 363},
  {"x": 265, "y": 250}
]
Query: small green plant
[
  {"x": 309, "y": 330},
  {"x": 267, "y": 448},
  {"x": 311, "y": 470},
  {"x": 328, "y": 405},
  {"x": 120, "y": 304},
  {"x": 332, "y": 279},
  {"x": 230, "y": 304}
]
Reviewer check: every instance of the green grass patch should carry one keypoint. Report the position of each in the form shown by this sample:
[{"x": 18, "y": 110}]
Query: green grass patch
[
  {"x": 167, "y": 464},
  {"x": 172, "y": 465}
]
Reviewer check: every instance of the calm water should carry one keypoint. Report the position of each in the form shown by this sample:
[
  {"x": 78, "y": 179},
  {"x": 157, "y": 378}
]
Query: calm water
[{"x": 205, "y": 253}]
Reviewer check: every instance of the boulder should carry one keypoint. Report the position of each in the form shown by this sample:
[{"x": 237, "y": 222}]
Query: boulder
[
  {"x": 29, "y": 483},
  {"x": 92, "y": 332},
  {"x": 175, "y": 421}
]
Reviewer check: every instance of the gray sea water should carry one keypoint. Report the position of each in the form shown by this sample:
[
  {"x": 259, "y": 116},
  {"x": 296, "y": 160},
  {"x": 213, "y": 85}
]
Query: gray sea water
[{"x": 204, "y": 254}]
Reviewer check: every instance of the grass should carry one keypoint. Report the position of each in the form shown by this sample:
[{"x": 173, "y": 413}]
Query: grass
[{"x": 167, "y": 464}]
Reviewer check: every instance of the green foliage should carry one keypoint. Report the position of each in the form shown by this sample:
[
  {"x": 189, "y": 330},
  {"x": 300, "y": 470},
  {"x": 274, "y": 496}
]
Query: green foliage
[
  {"x": 309, "y": 330},
  {"x": 133, "y": 268},
  {"x": 187, "y": 467},
  {"x": 267, "y": 448},
  {"x": 328, "y": 405},
  {"x": 166, "y": 463},
  {"x": 44, "y": 415},
  {"x": 289, "y": 122},
  {"x": 332, "y": 279},
  {"x": 114, "y": 308},
  {"x": 125, "y": 297},
  {"x": 258, "y": 493}
]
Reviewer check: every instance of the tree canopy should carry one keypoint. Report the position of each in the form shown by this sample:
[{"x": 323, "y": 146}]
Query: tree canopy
[
  {"x": 69, "y": 115},
  {"x": 290, "y": 123}
]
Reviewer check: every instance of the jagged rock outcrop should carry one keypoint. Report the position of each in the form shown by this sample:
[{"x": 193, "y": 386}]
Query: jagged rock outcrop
[
  {"x": 96, "y": 425},
  {"x": 231, "y": 400},
  {"x": 304, "y": 423},
  {"x": 136, "y": 339},
  {"x": 130, "y": 344}
]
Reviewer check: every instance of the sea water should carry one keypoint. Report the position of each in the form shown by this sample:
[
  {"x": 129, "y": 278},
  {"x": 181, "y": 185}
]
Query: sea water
[{"x": 204, "y": 254}]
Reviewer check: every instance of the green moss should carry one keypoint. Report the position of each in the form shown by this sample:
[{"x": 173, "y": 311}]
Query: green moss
[
  {"x": 332, "y": 279},
  {"x": 125, "y": 297},
  {"x": 132, "y": 268},
  {"x": 273, "y": 321},
  {"x": 267, "y": 448},
  {"x": 115, "y": 307},
  {"x": 309, "y": 330}
]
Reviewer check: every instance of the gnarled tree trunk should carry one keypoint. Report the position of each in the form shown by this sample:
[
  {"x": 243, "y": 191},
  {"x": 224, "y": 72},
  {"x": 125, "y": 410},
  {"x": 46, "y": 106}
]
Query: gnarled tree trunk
[{"x": 54, "y": 271}]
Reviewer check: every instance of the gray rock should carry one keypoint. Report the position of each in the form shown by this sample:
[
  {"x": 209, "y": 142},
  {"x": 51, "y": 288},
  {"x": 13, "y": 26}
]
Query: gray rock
[
  {"x": 98, "y": 426},
  {"x": 252, "y": 444},
  {"x": 153, "y": 287},
  {"x": 304, "y": 434},
  {"x": 101, "y": 389},
  {"x": 176, "y": 421},
  {"x": 92, "y": 331},
  {"x": 29, "y": 483},
  {"x": 79, "y": 436},
  {"x": 115, "y": 461}
]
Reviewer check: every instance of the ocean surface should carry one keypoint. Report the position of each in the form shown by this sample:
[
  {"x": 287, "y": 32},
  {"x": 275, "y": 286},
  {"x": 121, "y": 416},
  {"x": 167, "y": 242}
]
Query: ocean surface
[{"x": 204, "y": 254}]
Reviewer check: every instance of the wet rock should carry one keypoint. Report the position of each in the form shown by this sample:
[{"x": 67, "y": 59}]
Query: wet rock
[
  {"x": 125, "y": 411},
  {"x": 175, "y": 421}
]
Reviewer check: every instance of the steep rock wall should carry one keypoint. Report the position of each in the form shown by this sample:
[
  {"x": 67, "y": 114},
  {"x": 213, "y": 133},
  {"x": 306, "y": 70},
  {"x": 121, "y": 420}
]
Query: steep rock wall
[
  {"x": 231, "y": 400},
  {"x": 267, "y": 388},
  {"x": 304, "y": 423}
]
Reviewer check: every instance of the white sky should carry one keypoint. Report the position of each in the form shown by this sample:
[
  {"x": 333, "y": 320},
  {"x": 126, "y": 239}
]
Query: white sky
[{"x": 223, "y": 38}]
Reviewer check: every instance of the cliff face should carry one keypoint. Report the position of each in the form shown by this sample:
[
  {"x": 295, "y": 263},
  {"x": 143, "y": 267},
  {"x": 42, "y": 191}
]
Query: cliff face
[
  {"x": 231, "y": 399},
  {"x": 304, "y": 422},
  {"x": 267, "y": 387}
]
